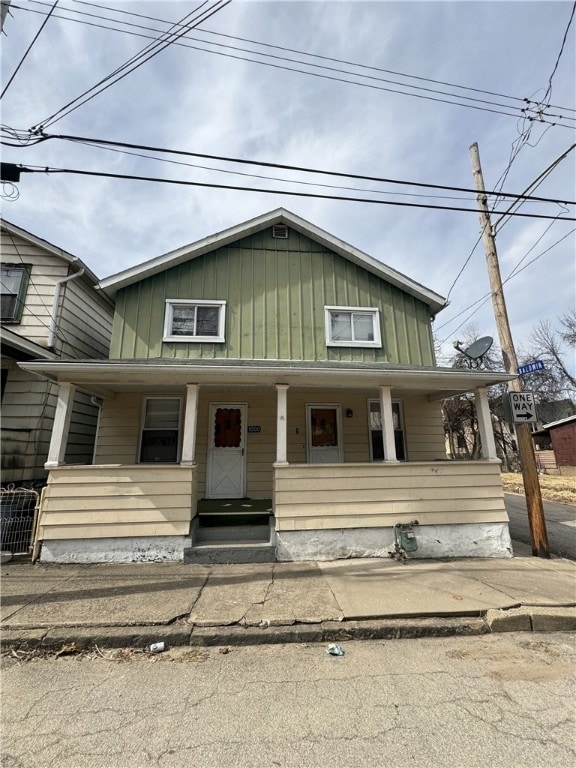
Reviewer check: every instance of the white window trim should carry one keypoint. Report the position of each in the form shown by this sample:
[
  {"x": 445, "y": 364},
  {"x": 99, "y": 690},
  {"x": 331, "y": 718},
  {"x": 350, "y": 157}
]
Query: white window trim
[
  {"x": 170, "y": 303},
  {"x": 143, "y": 421},
  {"x": 402, "y": 427},
  {"x": 374, "y": 311}
]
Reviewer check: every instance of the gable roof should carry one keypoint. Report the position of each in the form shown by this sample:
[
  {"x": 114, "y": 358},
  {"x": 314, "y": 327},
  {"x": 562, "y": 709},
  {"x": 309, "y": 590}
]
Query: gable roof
[
  {"x": 53, "y": 249},
  {"x": 112, "y": 284}
]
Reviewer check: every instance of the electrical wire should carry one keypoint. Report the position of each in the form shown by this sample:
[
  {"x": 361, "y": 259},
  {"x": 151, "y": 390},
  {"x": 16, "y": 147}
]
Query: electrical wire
[
  {"x": 514, "y": 273},
  {"x": 282, "y": 166},
  {"x": 538, "y": 114},
  {"x": 36, "y": 36},
  {"x": 549, "y": 88},
  {"x": 463, "y": 267},
  {"x": 182, "y": 182},
  {"x": 317, "y": 56},
  {"x": 272, "y": 178},
  {"x": 504, "y": 217},
  {"x": 535, "y": 184},
  {"x": 136, "y": 61}
]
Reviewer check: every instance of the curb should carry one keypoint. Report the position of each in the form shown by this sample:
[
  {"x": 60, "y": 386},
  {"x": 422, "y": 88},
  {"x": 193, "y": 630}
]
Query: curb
[{"x": 180, "y": 634}]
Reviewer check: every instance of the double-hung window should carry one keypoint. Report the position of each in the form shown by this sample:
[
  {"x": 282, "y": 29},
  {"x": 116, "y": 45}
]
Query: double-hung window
[
  {"x": 13, "y": 285},
  {"x": 352, "y": 327},
  {"x": 160, "y": 430},
  {"x": 194, "y": 320},
  {"x": 376, "y": 439}
]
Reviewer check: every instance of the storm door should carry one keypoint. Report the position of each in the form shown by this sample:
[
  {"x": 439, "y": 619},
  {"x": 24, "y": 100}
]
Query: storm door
[
  {"x": 324, "y": 434},
  {"x": 225, "y": 471}
]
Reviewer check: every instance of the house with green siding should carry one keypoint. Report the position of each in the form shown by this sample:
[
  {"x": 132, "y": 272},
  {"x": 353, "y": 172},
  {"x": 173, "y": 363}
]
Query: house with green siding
[{"x": 271, "y": 393}]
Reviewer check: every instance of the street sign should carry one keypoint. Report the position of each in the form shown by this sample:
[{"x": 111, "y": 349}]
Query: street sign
[
  {"x": 535, "y": 365},
  {"x": 523, "y": 407}
]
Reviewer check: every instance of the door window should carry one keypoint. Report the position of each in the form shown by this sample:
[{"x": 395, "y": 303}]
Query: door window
[
  {"x": 324, "y": 425},
  {"x": 227, "y": 428}
]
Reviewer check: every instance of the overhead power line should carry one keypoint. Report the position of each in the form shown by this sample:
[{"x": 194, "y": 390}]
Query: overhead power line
[
  {"x": 297, "y": 52},
  {"x": 184, "y": 153},
  {"x": 27, "y": 51},
  {"x": 182, "y": 182},
  {"x": 549, "y": 88},
  {"x": 529, "y": 112},
  {"x": 503, "y": 218},
  {"x": 136, "y": 61},
  {"x": 514, "y": 273}
]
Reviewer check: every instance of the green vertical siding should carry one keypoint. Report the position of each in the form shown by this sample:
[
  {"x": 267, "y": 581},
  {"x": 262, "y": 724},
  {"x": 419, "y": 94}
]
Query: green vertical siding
[{"x": 275, "y": 292}]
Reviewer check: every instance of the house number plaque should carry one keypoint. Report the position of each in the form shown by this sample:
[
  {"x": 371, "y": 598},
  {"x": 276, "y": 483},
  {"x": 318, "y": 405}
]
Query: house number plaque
[{"x": 254, "y": 429}]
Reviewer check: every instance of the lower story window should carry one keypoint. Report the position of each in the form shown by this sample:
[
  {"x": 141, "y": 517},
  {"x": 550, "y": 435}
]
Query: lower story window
[
  {"x": 160, "y": 430},
  {"x": 376, "y": 440}
]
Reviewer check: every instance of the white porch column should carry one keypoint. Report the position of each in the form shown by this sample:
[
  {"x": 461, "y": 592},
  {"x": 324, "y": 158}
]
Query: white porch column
[
  {"x": 387, "y": 424},
  {"x": 484, "y": 417},
  {"x": 62, "y": 416},
  {"x": 282, "y": 424},
  {"x": 190, "y": 424}
]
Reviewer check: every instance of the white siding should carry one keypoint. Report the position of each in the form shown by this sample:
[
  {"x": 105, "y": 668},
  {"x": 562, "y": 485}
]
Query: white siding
[{"x": 84, "y": 322}]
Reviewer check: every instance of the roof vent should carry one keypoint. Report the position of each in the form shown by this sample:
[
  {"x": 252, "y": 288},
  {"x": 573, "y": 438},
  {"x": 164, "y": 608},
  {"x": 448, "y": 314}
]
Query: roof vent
[{"x": 280, "y": 231}]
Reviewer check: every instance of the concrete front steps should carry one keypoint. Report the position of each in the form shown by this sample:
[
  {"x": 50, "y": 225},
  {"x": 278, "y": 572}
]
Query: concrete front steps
[{"x": 232, "y": 537}]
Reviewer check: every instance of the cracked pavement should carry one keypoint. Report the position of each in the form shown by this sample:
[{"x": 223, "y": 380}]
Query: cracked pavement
[{"x": 494, "y": 700}]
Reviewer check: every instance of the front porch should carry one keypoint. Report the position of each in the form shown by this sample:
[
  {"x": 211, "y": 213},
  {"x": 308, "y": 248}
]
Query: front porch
[
  {"x": 342, "y": 456},
  {"x": 318, "y": 512}
]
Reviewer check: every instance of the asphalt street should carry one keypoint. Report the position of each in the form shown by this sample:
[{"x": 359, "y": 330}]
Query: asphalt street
[
  {"x": 492, "y": 700},
  {"x": 560, "y": 524}
]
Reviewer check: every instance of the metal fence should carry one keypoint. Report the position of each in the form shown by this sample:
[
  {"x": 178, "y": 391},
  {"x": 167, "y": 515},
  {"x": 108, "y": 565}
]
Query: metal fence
[{"x": 18, "y": 510}]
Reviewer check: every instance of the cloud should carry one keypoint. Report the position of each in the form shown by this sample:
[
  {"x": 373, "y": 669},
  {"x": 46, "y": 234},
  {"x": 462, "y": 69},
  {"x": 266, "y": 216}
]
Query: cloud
[{"x": 215, "y": 104}]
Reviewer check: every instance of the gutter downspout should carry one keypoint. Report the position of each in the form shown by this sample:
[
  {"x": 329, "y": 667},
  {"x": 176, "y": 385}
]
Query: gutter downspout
[{"x": 55, "y": 304}]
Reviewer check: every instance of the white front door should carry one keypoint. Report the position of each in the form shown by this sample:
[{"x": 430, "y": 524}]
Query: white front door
[
  {"x": 324, "y": 426},
  {"x": 225, "y": 471}
]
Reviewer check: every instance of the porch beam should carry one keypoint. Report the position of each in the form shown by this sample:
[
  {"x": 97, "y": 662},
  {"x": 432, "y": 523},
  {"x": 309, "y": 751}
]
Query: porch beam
[
  {"x": 62, "y": 416},
  {"x": 488, "y": 444},
  {"x": 190, "y": 424},
  {"x": 282, "y": 424},
  {"x": 387, "y": 424}
]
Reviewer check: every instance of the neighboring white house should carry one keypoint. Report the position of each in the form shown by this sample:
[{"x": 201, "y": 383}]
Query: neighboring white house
[{"x": 50, "y": 311}]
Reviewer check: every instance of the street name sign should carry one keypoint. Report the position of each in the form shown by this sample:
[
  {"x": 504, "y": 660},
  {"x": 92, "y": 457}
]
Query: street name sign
[
  {"x": 523, "y": 407},
  {"x": 535, "y": 365}
]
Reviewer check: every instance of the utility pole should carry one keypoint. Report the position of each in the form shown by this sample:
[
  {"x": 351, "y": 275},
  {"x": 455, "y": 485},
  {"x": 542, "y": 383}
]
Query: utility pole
[{"x": 536, "y": 521}]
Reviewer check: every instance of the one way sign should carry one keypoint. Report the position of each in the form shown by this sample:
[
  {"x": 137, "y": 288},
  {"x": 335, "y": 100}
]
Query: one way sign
[{"x": 522, "y": 407}]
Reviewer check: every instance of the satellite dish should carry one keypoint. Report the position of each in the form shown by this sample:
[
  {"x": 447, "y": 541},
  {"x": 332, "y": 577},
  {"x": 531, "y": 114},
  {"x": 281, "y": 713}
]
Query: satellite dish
[{"x": 476, "y": 351}]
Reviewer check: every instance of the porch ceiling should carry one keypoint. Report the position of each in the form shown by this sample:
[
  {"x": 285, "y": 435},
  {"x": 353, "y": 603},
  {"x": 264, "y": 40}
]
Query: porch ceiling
[{"x": 107, "y": 377}]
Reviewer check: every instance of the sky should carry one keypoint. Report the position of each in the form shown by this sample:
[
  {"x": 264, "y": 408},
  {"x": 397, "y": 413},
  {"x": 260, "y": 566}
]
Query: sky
[{"x": 389, "y": 120}]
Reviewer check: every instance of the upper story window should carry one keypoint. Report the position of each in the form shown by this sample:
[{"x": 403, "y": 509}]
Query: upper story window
[
  {"x": 352, "y": 327},
  {"x": 13, "y": 285},
  {"x": 195, "y": 320}
]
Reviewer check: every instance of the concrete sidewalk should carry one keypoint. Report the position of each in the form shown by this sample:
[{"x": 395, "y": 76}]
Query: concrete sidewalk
[{"x": 137, "y": 604}]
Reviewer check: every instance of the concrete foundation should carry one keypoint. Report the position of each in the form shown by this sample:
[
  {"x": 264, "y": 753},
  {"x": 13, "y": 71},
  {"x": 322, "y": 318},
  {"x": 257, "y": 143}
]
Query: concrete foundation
[
  {"x": 434, "y": 541},
  {"x": 145, "y": 549}
]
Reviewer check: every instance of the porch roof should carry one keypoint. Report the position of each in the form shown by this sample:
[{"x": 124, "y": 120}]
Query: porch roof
[{"x": 105, "y": 378}]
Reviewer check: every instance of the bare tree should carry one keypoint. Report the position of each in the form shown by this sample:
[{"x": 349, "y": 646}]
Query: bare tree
[{"x": 555, "y": 386}]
